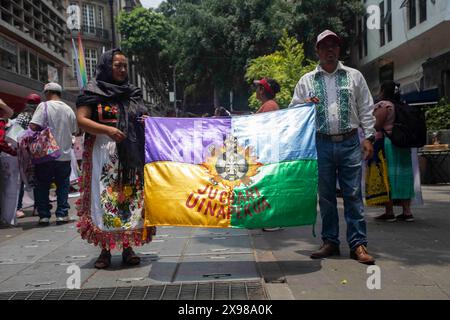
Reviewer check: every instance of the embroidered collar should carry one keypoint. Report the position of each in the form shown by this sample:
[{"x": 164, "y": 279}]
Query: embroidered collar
[{"x": 340, "y": 66}]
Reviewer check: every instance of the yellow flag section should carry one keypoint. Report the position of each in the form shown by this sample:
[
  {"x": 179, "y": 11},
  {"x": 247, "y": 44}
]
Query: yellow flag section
[{"x": 184, "y": 195}]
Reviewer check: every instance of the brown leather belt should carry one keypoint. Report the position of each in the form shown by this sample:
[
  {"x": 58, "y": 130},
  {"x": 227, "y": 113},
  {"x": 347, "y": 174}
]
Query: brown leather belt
[{"x": 337, "y": 137}]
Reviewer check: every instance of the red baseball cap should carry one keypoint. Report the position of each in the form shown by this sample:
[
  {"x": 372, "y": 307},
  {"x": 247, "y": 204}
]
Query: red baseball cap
[
  {"x": 33, "y": 98},
  {"x": 327, "y": 34},
  {"x": 263, "y": 82}
]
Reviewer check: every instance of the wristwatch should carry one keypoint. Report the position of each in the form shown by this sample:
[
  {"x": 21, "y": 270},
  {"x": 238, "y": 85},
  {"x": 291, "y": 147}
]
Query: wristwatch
[{"x": 371, "y": 138}]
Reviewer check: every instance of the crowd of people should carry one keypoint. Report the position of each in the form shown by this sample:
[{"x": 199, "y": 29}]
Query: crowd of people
[
  {"x": 20, "y": 177},
  {"x": 110, "y": 113}
]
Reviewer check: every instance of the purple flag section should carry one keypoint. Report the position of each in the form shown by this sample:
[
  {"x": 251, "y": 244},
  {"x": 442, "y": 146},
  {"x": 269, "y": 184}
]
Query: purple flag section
[{"x": 185, "y": 140}]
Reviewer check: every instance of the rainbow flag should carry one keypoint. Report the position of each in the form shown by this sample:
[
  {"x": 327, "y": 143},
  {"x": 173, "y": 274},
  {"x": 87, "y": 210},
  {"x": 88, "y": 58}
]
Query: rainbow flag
[
  {"x": 77, "y": 65},
  {"x": 80, "y": 62},
  {"x": 256, "y": 171}
]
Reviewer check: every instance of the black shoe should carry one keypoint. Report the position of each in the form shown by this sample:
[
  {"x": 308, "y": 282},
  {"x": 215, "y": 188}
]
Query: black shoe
[
  {"x": 130, "y": 258},
  {"x": 104, "y": 260}
]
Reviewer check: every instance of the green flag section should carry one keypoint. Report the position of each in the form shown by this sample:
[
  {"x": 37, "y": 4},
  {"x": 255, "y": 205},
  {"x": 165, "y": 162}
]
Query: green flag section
[{"x": 292, "y": 202}]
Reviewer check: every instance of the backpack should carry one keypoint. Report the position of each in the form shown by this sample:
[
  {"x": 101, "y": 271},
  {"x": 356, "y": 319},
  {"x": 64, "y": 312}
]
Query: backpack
[{"x": 410, "y": 130}]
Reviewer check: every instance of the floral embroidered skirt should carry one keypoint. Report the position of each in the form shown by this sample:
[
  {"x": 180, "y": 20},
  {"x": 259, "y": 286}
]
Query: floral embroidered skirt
[{"x": 109, "y": 215}]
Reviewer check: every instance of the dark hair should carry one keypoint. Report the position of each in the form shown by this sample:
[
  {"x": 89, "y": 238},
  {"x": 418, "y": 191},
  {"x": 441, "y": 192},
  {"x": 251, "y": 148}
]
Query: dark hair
[
  {"x": 390, "y": 90},
  {"x": 221, "y": 112},
  {"x": 274, "y": 85}
]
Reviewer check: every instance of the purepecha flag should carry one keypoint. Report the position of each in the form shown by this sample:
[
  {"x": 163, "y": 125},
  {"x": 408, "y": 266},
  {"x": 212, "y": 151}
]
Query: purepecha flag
[{"x": 256, "y": 171}]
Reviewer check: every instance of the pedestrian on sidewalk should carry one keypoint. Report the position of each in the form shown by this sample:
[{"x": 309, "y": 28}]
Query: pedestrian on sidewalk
[
  {"x": 395, "y": 177},
  {"x": 62, "y": 120},
  {"x": 343, "y": 103},
  {"x": 111, "y": 208},
  {"x": 266, "y": 90},
  {"x": 23, "y": 119},
  {"x": 9, "y": 177},
  {"x": 5, "y": 114}
]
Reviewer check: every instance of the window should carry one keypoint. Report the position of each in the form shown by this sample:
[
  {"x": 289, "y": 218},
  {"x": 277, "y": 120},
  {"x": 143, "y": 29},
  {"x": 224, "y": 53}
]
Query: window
[
  {"x": 89, "y": 18},
  {"x": 389, "y": 20},
  {"x": 24, "y": 63},
  {"x": 412, "y": 12},
  {"x": 422, "y": 10},
  {"x": 33, "y": 67},
  {"x": 8, "y": 55},
  {"x": 8, "y": 60},
  {"x": 43, "y": 71},
  {"x": 100, "y": 17},
  {"x": 91, "y": 62},
  {"x": 382, "y": 29}
]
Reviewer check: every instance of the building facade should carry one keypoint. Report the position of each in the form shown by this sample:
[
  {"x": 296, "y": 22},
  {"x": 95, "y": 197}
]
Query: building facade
[
  {"x": 32, "y": 48},
  {"x": 99, "y": 33},
  {"x": 411, "y": 47}
]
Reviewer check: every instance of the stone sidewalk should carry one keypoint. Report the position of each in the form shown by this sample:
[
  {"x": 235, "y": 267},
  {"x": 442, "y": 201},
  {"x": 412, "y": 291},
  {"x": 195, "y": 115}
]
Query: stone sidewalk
[{"x": 414, "y": 259}]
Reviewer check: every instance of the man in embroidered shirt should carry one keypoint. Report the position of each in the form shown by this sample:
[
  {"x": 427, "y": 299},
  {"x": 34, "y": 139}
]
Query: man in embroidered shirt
[{"x": 343, "y": 103}]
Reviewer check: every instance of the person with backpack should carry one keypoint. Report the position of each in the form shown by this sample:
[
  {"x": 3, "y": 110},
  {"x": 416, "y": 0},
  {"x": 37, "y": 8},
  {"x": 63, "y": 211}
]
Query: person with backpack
[{"x": 394, "y": 180}]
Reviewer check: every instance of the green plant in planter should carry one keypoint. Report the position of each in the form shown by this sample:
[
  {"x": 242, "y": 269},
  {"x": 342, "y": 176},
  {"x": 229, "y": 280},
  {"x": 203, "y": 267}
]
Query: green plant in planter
[{"x": 438, "y": 117}]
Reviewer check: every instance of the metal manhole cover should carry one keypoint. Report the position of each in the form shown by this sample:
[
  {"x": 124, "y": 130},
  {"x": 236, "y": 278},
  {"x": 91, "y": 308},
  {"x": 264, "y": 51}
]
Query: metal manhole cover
[{"x": 245, "y": 290}]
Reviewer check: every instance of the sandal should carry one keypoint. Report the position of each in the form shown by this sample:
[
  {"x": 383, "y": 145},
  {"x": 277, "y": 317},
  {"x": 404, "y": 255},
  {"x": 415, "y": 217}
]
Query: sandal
[
  {"x": 104, "y": 260},
  {"x": 20, "y": 214},
  {"x": 130, "y": 258}
]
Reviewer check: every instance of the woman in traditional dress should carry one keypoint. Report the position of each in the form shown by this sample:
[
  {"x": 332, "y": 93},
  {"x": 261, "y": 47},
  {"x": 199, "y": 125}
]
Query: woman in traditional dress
[
  {"x": 390, "y": 176},
  {"x": 111, "y": 207}
]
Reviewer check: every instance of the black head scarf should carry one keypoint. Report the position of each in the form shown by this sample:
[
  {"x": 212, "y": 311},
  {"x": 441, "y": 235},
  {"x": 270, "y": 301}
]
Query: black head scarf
[{"x": 131, "y": 106}]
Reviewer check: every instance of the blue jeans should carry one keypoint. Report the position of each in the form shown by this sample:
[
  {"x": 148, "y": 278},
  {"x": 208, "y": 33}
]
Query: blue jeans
[
  {"x": 46, "y": 173},
  {"x": 341, "y": 160}
]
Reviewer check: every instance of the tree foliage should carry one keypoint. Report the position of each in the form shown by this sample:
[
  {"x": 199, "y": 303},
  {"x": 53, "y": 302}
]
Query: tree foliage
[
  {"x": 217, "y": 38},
  {"x": 438, "y": 117},
  {"x": 146, "y": 37},
  {"x": 286, "y": 65},
  {"x": 213, "y": 41},
  {"x": 311, "y": 17}
]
